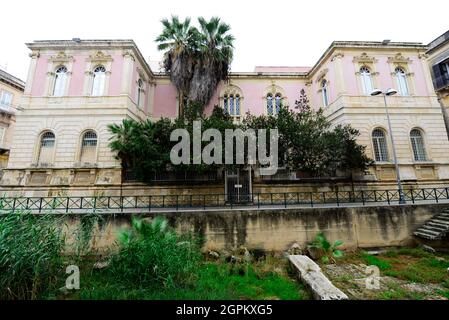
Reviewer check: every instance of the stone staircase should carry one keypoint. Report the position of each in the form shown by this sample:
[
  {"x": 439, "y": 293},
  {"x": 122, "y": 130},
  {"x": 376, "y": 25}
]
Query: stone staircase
[{"x": 436, "y": 228}]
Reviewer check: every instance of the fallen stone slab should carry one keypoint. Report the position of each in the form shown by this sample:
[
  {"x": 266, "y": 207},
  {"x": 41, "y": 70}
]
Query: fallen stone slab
[{"x": 310, "y": 273}]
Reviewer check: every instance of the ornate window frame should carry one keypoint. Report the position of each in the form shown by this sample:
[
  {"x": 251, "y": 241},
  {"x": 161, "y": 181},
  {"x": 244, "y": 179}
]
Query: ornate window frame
[
  {"x": 365, "y": 61},
  {"x": 324, "y": 94},
  {"x": 274, "y": 90},
  {"x": 96, "y": 59},
  {"x": 232, "y": 90},
  {"x": 398, "y": 60},
  {"x": 53, "y": 63}
]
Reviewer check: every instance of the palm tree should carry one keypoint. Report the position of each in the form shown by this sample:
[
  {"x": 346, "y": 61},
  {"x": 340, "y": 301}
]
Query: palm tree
[
  {"x": 197, "y": 60},
  {"x": 215, "y": 55},
  {"x": 179, "y": 41}
]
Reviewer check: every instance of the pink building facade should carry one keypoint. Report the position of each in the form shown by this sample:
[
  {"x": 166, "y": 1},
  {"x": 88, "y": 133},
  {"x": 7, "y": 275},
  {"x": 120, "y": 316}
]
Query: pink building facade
[{"x": 76, "y": 88}]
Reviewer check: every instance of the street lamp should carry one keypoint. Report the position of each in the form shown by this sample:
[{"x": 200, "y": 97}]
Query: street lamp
[{"x": 391, "y": 92}]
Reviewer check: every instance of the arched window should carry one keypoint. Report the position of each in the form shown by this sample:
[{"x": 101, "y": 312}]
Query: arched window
[
  {"x": 402, "y": 81},
  {"x": 88, "y": 147},
  {"x": 231, "y": 104},
  {"x": 278, "y": 102},
  {"x": 46, "y": 147},
  {"x": 367, "y": 81},
  {"x": 417, "y": 141},
  {"x": 60, "y": 81},
  {"x": 380, "y": 145},
  {"x": 270, "y": 104},
  {"x": 98, "y": 83},
  {"x": 324, "y": 93},
  {"x": 140, "y": 91}
]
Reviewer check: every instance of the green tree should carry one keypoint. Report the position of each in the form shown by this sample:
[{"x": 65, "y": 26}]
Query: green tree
[{"x": 196, "y": 60}]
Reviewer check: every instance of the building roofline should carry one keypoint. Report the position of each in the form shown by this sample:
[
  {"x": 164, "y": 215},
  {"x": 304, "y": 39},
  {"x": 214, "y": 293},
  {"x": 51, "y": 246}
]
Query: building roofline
[
  {"x": 83, "y": 43},
  {"x": 438, "y": 42},
  {"x": 12, "y": 80},
  {"x": 365, "y": 44}
]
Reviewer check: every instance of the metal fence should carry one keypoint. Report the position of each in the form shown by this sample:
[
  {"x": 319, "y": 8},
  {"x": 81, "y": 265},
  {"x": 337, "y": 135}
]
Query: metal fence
[{"x": 147, "y": 203}]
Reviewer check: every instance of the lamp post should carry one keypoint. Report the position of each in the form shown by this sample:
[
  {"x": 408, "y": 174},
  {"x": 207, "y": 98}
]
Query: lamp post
[{"x": 391, "y": 92}]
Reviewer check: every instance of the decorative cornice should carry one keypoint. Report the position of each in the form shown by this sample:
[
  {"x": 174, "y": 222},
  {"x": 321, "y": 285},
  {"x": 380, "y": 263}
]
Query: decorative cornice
[
  {"x": 34, "y": 54},
  {"x": 322, "y": 74},
  {"x": 99, "y": 56},
  {"x": 61, "y": 57},
  {"x": 423, "y": 55},
  {"x": 337, "y": 55},
  {"x": 364, "y": 58},
  {"x": 399, "y": 58},
  {"x": 129, "y": 54}
]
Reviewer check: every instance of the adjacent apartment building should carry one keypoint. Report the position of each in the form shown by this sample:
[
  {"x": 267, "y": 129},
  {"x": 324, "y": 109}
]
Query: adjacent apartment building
[
  {"x": 11, "y": 90},
  {"x": 75, "y": 88}
]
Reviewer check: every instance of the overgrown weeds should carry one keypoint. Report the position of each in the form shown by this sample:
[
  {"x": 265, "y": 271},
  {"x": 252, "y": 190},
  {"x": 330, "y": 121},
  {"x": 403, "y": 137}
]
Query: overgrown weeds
[{"x": 30, "y": 254}]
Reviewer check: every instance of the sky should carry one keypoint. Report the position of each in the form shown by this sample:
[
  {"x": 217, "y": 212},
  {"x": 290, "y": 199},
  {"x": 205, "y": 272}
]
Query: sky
[{"x": 267, "y": 32}]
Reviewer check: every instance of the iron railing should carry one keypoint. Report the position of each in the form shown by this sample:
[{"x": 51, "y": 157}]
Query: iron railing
[{"x": 146, "y": 203}]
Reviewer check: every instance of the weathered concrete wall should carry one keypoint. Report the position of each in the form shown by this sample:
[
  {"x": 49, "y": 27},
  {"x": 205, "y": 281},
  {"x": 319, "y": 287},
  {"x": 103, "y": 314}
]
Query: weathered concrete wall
[{"x": 276, "y": 230}]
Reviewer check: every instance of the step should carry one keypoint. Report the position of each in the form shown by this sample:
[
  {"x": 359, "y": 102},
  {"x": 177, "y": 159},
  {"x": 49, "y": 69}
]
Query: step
[
  {"x": 438, "y": 229},
  {"x": 442, "y": 217},
  {"x": 438, "y": 225},
  {"x": 430, "y": 232},
  {"x": 424, "y": 235},
  {"x": 438, "y": 220}
]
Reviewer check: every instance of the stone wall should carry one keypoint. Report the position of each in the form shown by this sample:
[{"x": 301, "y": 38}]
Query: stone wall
[{"x": 271, "y": 229}]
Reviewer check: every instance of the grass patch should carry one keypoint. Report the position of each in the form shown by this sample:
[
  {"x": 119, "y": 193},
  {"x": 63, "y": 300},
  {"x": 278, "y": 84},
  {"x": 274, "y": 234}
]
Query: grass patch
[
  {"x": 214, "y": 281},
  {"x": 375, "y": 261}
]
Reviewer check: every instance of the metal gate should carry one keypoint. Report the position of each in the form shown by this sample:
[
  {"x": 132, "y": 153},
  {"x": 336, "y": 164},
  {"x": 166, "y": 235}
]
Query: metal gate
[{"x": 238, "y": 186}]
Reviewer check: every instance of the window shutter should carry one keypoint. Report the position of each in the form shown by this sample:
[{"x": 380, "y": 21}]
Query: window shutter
[{"x": 438, "y": 78}]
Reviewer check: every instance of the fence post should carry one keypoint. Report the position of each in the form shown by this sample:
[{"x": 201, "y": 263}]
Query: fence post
[
  {"x": 81, "y": 202},
  {"x": 297, "y": 198},
  {"x": 177, "y": 202},
  {"x": 388, "y": 197},
  {"x": 149, "y": 203},
  {"x": 447, "y": 193},
  {"x": 375, "y": 196},
  {"x": 67, "y": 205},
  {"x": 258, "y": 200},
  {"x": 163, "y": 201},
  {"x": 311, "y": 199},
  {"x": 338, "y": 202},
  {"x": 27, "y": 205},
  {"x": 95, "y": 204},
  {"x": 121, "y": 203},
  {"x": 285, "y": 199},
  {"x": 435, "y": 193},
  {"x": 40, "y": 204},
  {"x": 324, "y": 197},
  {"x": 204, "y": 202},
  {"x": 363, "y": 197},
  {"x": 14, "y": 205},
  {"x": 413, "y": 197}
]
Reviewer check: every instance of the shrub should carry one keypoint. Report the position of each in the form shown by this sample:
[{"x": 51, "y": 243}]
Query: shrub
[
  {"x": 30, "y": 255},
  {"x": 152, "y": 254},
  {"x": 326, "y": 251}
]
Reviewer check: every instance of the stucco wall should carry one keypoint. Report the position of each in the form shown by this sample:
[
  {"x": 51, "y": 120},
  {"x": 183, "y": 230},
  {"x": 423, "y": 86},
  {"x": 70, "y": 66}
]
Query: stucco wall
[{"x": 276, "y": 230}]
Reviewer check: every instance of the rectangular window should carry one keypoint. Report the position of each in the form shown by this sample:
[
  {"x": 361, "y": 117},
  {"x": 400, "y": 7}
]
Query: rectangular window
[{"x": 5, "y": 98}]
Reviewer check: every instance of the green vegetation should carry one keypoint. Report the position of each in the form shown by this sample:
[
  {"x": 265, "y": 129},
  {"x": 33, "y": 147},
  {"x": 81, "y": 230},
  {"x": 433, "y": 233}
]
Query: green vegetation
[
  {"x": 375, "y": 261},
  {"x": 196, "y": 59},
  {"x": 325, "y": 250},
  {"x": 154, "y": 256},
  {"x": 151, "y": 261},
  {"x": 212, "y": 281}
]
